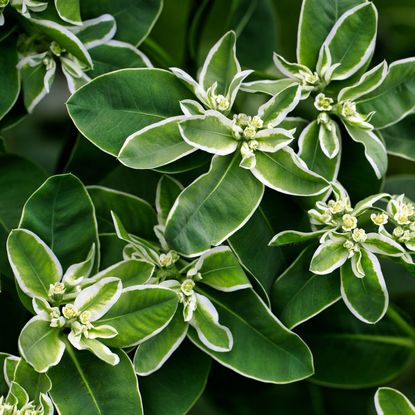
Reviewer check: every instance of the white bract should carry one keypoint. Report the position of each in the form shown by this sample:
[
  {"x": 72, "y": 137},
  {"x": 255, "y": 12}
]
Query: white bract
[{"x": 211, "y": 89}]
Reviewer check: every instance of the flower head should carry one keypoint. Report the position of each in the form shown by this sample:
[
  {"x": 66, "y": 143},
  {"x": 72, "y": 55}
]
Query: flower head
[{"x": 323, "y": 103}]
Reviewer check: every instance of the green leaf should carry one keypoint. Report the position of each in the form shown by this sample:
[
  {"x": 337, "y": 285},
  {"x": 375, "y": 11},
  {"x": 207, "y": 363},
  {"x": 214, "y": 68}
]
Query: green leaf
[
  {"x": 399, "y": 140},
  {"x": 155, "y": 145},
  {"x": 211, "y": 132},
  {"x": 176, "y": 387},
  {"x": 351, "y": 354},
  {"x": 298, "y": 295},
  {"x": 276, "y": 109},
  {"x": 220, "y": 269},
  {"x": 221, "y": 65},
  {"x": 91, "y": 392},
  {"x": 250, "y": 244},
  {"x": 131, "y": 272},
  {"x": 99, "y": 297},
  {"x": 33, "y": 382},
  {"x": 316, "y": 21},
  {"x": 33, "y": 263},
  {"x": 154, "y": 352},
  {"x": 267, "y": 86},
  {"x": 115, "y": 55},
  {"x": 367, "y": 83},
  {"x": 36, "y": 81},
  {"x": 168, "y": 189},
  {"x": 40, "y": 344},
  {"x": 70, "y": 233},
  {"x": 96, "y": 31},
  {"x": 213, "y": 207},
  {"x": 328, "y": 257},
  {"x": 211, "y": 333},
  {"x": 311, "y": 152},
  {"x": 394, "y": 98},
  {"x": 69, "y": 11},
  {"x": 138, "y": 14},
  {"x": 330, "y": 139},
  {"x": 284, "y": 356},
  {"x": 367, "y": 298},
  {"x": 351, "y": 41},
  {"x": 140, "y": 313},
  {"x": 138, "y": 215},
  {"x": 381, "y": 244},
  {"x": 294, "y": 237},
  {"x": 390, "y": 401},
  {"x": 285, "y": 172},
  {"x": 9, "y": 77},
  {"x": 375, "y": 150},
  {"x": 143, "y": 97},
  {"x": 64, "y": 37},
  {"x": 255, "y": 24}
]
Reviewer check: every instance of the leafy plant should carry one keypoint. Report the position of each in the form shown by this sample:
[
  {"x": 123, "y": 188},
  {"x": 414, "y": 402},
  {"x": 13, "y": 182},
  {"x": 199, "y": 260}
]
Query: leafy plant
[{"x": 215, "y": 206}]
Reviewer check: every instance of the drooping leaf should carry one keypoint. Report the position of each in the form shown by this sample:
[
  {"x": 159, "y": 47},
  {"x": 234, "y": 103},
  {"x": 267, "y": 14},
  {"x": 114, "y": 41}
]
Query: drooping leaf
[
  {"x": 285, "y": 357},
  {"x": 40, "y": 345}
]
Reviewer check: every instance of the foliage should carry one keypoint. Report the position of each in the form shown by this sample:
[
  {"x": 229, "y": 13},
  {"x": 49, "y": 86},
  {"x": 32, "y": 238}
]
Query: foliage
[{"x": 216, "y": 205}]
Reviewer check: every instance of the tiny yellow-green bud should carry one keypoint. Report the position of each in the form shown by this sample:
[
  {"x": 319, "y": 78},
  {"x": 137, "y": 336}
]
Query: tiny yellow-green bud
[
  {"x": 307, "y": 78},
  {"x": 56, "y": 48},
  {"x": 398, "y": 232},
  {"x": 253, "y": 145},
  {"x": 187, "y": 286},
  {"x": 56, "y": 289},
  {"x": 69, "y": 311},
  {"x": 349, "y": 245},
  {"x": 349, "y": 222},
  {"x": 256, "y": 122},
  {"x": 85, "y": 317},
  {"x": 242, "y": 119},
  {"x": 323, "y": 103},
  {"x": 359, "y": 235},
  {"x": 379, "y": 218},
  {"x": 401, "y": 218},
  {"x": 349, "y": 109},
  {"x": 336, "y": 206},
  {"x": 222, "y": 103},
  {"x": 249, "y": 132}
]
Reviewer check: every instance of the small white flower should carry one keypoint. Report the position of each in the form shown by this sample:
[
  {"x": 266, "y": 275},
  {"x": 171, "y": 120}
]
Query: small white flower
[
  {"x": 379, "y": 219},
  {"x": 187, "y": 287},
  {"x": 222, "y": 103},
  {"x": 336, "y": 206},
  {"x": 69, "y": 311},
  {"x": 349, "y": 222},
  {"x": 249, "y": 132},
  {"x": 359, "y": 235},
  {"x": 256, "y": 122}
]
